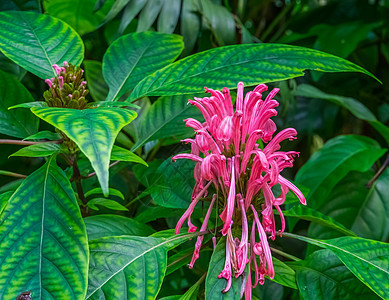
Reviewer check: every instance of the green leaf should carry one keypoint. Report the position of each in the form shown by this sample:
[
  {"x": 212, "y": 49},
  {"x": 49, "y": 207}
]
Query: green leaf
[
  {"x": 323, "y": 276},
  {"x": 18, "y": 123},
  {"x": 149, "y": 14},
  {"x": 36, "y": 41},
  {"x": 93, "y": 130},
  {"x": 114, "y": 225},
  {"x": 119, "y": 153},
  {"x": 29, "y": 105},
  {"x": 44, "y": 135},
  {"x": 10, "y": 67},
  {"x": 226, "y": 66},
  {"x": 363, "y": 210},
  {"x": 111, "y": 204},
  {"x": 127, "y": 267},
  {"x": 167, "y": 20},
  {"x": 94, "y": 76},
  {"x": 38, "y": 150},
  {"x": 31, "y": 5},
  {"x": 214, "y": 285},
  {"x": 331, "y": 163},
  {"x": 114, "y": 104},
  {"x": 306, "y": 213},
  {"x": 43, "y": 239},
  {"x": 193, "y": 291},
  {"x": 117, "y": 6},
  {"x": 78, "y": 14},
  {"x": 284, "y": 274},
  {"x": 112, "y": 192},
  {"x": 165, "y": 119},
  {"x": 131, "y": 10},
  {"x": 356, "y": 108},
  {"x": 132, "y": 57},
  {"x": 190, "y": 25},
  {"x": 368, "y": 260},
  {"x": 4, "y": 197}
]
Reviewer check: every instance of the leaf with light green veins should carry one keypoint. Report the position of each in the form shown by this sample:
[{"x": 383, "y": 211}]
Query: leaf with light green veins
[
  {"x": 284, "y": 274},
  {"x": 132, "y": 57},
  {"x": 114, "y": 225},
  {"x": 356, "y": 108},
  {"x": 18, "y": 123},
  {"x": 128, "y": 267},
  {"x": 38, "y": 150},
  {"x": 119, "y": 153},
  {"x": 226, "y": 66},
  {"x": 43, "y": 239},
  {"x": 44, "y": 135},
  {"x": 323, "y": 276},
  {"x": 214, "y": 285},
  {"x": 335, "y": 160},
  {"x": 93, "y": 130},
  {"x": 165, "y": 119},
  {"x": 107, "y": 203},
  {"x": 368, "y": 260},
  {"x": 36, "y": 42}
]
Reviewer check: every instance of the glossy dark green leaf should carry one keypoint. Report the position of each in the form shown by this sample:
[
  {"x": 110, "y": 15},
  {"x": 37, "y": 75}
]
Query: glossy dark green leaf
[
  {"x": 30, "y": 5},
  {"x": 359, "y": 208},
  {"x": 128, "y": 267},
  {"x": 331, "y": 163},
  {"x": 167, "y": 20},
  {"x": 10, "y": 67},
  {"x": 149, "y": 14},
  {"x": 107, "y": 203},
  {"x": 36, "y": 42},
  {"x": 367, "y": 259},
  {"x": 131, "y": 10},
  {"x": 284, "y": 274},
  {"x": 306, "y": 213},
  {"x": 115, "y": 9},
  {"x": 190, "y": 25},
  {"x": 29, "y": 105},
  {"x": 94, "y": 76},
  {"x": 43, "y": 239},
  {"x": 214, "y": 285},
  {"x": 165, "y": 119},
  {"x": 19, "y": 122},
  {"x": 132, "y": 57},
  {"x": 356, "y": 108},
  {"x": 114, "y": 225},
  {"x": 43, "y": 135},
  {"x": 119, "y": 153},
  {"x": 4, "y": 197},
  {"x": 226, "y": 66},
  {"x": 93, "y": 130},
  {"x": 78, "y": 14},
  {"x": 192, "y": 292},
  {"x": 323, "y": 276},
  {"x": 38, "y": 150}
]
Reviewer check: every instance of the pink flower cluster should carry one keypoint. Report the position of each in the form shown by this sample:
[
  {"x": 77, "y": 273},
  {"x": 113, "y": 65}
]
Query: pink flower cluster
[{"x": 228, "y": 155}]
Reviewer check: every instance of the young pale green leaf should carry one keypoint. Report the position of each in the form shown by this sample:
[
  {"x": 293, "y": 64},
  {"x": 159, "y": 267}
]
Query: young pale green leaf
[
  {"x": 43, "y": 239},
  {"x": 323, "y": 276},
  {"x": 78, "y": 14},
  {"x": 114, "y": 225},
  {"x": 129, "y": 13},
  {"x": 43, "y": 135},
  {"x": 119, "y": 153},
  {"x": 98, "y": 190},
  {"x": 309, "y": 214},
  {"x": 93, "y": 130},
  {"x": 36, "y": 42},
  {"x": 214, "y": 285},
  {"x": 107, "y": 203},
  {"x": 356, "y": 108},
  {"x": 134, "y": 56},
  {"x": 165, "y": 119},
  {"x": 128, "y": 267},
  {"x": 226, "y": 66},
  {"x": 38, "y": 150},
  {"x": 149, "y": 14},
  {"x": 30, "y": 104},
  {"x": 115, "y": 9},
  {"x": 368, "y": 260},
  {"x": 94, "y": 76},
  {"x": 17, "y": 123},
  {"x": 331, "y": 163}
]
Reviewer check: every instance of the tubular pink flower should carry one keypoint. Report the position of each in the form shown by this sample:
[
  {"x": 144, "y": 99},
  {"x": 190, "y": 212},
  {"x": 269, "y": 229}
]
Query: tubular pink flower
[
  {"x": 49, "y": 82},
  {"x": 60, "y": 82},
  {"x": 228, "y": 154},
  {"x": 57, "y": 69}
]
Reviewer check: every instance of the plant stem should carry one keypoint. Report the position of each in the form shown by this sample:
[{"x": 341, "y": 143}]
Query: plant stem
[
  {"x": 19, "y": 142},
  {"x": 12, "y": 174},
  {"x": 286, "y": 255},
  {"x": 77, "y": 180},
  {"x": 378, "y": 174}
]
